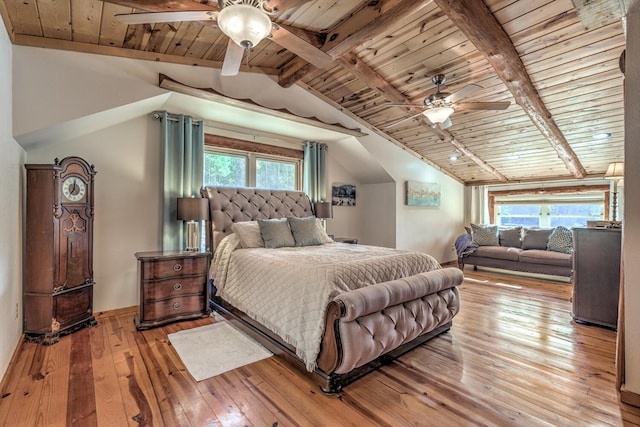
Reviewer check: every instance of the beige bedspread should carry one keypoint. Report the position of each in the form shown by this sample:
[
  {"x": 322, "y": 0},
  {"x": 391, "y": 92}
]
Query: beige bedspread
[{"x": 288, "y": 289}]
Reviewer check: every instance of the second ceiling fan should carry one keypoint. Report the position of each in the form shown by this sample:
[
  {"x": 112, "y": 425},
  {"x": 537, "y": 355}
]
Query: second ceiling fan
[
  {"x": 439, "y": 106},
  {"x": 245, "y": 22}
]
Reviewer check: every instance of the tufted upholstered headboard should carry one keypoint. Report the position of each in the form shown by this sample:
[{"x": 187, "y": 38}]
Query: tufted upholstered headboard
[{"x": 228, "y": 205}]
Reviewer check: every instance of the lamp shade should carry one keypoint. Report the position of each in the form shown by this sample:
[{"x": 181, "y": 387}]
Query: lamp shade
[
  {"x": 438, "y": 114},
  {"x": 615, "y": 171},
  {"x": 244, "y": 24},
  {"x": 193, "y": 208},
  {"x": 323, "y": 209}
]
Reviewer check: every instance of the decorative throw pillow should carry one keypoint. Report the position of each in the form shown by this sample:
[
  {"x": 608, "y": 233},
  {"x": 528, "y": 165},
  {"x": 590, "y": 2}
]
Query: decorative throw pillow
[
  {"x": 276, "y": 233},
  {"x": 248, "y": 233},
  {"x": 485, "y": 235},
  {"x": 561, "y": 240},
  {"x": 511, "y": 237},
  {"x": 323, "y": 234},
  {"x": 535, "y": 238},
  {"x": 305, "y": 231}
]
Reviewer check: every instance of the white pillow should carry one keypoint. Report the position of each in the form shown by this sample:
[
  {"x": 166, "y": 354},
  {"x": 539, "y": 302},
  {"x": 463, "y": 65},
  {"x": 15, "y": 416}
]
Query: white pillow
[
  {"x": 323, "y": 234},
  {"x": 248, "y": 233}
]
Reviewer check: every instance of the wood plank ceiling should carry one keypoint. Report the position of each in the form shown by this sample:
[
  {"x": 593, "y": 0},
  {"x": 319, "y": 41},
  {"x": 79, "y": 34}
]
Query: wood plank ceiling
[{"x": 557, "y": 65}]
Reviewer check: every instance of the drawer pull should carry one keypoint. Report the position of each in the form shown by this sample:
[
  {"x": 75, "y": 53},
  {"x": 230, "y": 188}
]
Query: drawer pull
[
  {"x": 177, "y": 267},
  {"x": 176, "y": 305},
  {"x": 177, "y": 286}
]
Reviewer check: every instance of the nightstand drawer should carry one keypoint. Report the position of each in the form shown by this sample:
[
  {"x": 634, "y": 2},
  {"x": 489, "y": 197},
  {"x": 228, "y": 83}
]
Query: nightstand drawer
[
  {"x": 161, "y": 269},
  {"x": 174, "y": 307},
  {"x": 173, "y": 287}
]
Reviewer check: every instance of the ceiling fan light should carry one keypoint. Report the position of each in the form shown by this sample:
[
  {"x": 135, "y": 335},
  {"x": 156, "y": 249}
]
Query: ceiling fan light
[
  {"x": 438, "y": 114},
  {"x": 244, "y": 24}
]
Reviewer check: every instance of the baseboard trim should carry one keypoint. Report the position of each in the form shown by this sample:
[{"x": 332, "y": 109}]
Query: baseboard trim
[
  {"x": 13, "y": 360},
  {"x": 629, "y": 397}
]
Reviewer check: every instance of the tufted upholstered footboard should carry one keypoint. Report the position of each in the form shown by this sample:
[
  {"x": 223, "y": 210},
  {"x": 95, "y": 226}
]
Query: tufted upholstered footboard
[{"x": 369, "y": 322}]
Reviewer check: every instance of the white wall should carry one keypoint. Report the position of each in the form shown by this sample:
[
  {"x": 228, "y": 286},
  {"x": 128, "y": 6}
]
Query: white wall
[
  {"x": 631, "y": 228},
  {"x": 127, "y": 202},
  {"x": 346, "y": 219},
  {"x": 428, "y": 229},
  {"x": 378, "y": 202},
  {"x": 11, "y": 225}
]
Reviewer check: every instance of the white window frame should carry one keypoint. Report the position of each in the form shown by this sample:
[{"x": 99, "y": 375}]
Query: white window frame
[{"x": 252, "y": 158}]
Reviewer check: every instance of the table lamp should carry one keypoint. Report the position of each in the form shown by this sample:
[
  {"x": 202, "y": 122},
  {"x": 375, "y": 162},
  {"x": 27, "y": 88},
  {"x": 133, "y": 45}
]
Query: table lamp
[
  {"x": 192, "y": 209},
  {"x": 323, "y": 210},
  {"x": 615, "y": 172}
]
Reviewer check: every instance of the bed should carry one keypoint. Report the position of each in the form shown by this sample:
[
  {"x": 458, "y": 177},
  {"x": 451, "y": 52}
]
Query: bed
[{"x": 334, "y": 310}]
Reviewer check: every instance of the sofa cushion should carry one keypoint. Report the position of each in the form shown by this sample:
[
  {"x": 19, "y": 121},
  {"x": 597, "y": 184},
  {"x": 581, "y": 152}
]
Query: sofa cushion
[
  {"x": 538, "y": 256},
  {"x": 536, "y": 238},
  {"x": 511, "y": 237},
  {"x": 497, "y": 252},
  {"x": 486, "y": 235},
  {"x": 561, "y": 240}
]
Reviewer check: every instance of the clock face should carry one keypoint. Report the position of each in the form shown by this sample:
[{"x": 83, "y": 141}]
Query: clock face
[{"x": 74, "y": 189}]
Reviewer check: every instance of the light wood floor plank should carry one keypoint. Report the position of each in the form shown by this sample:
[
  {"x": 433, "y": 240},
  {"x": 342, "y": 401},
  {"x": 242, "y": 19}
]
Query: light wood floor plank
[{"x": 514, "y": 356}]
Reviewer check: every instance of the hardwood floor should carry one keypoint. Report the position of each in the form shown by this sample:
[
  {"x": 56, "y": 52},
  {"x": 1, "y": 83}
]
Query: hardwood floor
[{"x": 513, "y": 357}]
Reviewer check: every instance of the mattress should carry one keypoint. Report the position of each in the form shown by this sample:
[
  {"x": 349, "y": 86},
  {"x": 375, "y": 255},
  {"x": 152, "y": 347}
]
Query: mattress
[{"x": 288, "y": 289}]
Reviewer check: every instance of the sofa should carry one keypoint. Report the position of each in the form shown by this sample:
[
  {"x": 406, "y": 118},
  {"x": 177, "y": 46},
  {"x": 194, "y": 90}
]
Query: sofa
[{"x": 541, "y": 251}]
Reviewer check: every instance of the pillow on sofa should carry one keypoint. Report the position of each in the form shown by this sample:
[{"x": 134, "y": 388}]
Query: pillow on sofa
[
  {"x": 511, "y": 237},
  {"x": 561, "y": 240},
  {"x": 536, "y": 238},
  {"x": 486, "y": 235},
  {"x": 276, "y": 233}
]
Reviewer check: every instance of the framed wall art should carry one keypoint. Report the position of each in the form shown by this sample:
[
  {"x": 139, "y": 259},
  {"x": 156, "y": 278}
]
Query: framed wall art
[
  {"x": 343, "y": 195},
  {"x": 422, "y": 193}
]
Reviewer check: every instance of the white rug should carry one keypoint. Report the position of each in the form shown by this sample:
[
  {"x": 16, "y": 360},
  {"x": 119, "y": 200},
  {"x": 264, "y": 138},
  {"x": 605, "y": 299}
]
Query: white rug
[{"x": 211, "y": 350}]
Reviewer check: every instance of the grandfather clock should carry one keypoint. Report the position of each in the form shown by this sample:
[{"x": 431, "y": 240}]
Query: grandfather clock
[{"x": 58, "y": 290}]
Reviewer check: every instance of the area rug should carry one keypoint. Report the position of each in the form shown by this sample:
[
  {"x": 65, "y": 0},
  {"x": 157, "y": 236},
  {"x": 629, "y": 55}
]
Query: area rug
[{"x": 211, "y": 350}]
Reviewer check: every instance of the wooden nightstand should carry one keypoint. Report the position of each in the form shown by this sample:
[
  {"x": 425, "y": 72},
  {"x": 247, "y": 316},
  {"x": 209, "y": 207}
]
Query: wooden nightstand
[{"x": 172, "y": 286}]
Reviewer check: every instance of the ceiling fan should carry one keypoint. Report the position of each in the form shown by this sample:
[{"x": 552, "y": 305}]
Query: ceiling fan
[
  {"x": 245, "y": 22},
  {"x": 439, "y": 107}
]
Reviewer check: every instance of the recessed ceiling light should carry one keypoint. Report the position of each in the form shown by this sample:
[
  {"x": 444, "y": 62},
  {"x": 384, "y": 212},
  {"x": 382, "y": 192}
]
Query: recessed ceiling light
[
  {"x": 602, "y": 135},
  {"x": 513, "y": 157},
  {"x": 453, "y": 157}
]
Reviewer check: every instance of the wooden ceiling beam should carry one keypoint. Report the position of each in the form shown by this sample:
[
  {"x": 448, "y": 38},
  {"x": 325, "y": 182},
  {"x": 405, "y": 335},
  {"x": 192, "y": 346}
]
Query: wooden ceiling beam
[
  {"x": 482, "y": 29},
  {"x": 371, "y": 21},
  {"x": 376, "y": 82}
]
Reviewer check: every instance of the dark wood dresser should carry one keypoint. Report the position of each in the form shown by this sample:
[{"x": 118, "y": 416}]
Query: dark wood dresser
[
  {"x": 596, "y": 275},
  {"x": 172, "y": 286}
]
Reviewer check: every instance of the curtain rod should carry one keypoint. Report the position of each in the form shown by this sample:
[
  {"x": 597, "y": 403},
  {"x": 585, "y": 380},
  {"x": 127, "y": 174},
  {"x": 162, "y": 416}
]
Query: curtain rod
[{"x": 158, "y": 116}]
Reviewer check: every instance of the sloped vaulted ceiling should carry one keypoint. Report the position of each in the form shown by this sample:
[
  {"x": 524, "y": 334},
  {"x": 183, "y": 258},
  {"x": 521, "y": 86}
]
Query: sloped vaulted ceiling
[{"x": 555, "y": 61}]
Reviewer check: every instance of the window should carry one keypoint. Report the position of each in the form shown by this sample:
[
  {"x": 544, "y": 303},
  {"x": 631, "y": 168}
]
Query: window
[
  {"x": 549, "y": 215},
  {"x": 246, "y": 169},
  {"x": 569, "y": 206}
]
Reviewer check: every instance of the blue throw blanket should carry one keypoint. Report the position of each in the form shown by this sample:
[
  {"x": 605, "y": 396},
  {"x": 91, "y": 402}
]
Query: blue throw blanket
[{"x": 464, "y": 245}]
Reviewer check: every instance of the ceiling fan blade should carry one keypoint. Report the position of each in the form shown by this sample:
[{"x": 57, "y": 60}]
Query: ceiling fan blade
[
  {"x": 446, "y": 124},
  {"x": 300, "y": 47},
  {"x": 402, "y": 121},
  {"x": 232, "y": 59},
  {"x": 482, "y": 105},
  {"x": 465, "y": 92},
  {"x": 405, "y": 105},
  {"x": 155, "y": 17}
]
